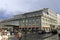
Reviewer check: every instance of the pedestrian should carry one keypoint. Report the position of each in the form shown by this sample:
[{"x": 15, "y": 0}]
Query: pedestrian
[
  {"x": 0, "y": 34},
  {"x": 58, "y": 33},
  {"x": 5, "y": 36},
  {"x": 19, "y": 35},
  {"x": 8, "y": 33}
]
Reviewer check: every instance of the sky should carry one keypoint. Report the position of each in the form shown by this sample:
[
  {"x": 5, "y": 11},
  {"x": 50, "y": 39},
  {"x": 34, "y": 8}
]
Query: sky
[{"x": 8, "y": 8}]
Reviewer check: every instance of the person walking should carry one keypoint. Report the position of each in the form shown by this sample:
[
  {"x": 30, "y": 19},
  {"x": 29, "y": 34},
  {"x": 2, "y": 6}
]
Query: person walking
[
  {"x": 19, "y": 35},
  {"x": 58, "y": 33},
  {"x": 5, "y": 36},
  {"x": 0, "y": 34},
  {"x": 8, "y": 33}
]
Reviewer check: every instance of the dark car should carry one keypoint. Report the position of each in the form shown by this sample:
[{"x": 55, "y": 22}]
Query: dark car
[
  {"x": 41, "y": 32},
  {"x": 54, "y": 32}
]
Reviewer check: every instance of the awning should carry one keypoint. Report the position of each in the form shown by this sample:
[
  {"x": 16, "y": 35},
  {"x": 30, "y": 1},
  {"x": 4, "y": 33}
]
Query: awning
[
  {"x": 28, "y": 27},
  {"x": 46, "y": 26}
]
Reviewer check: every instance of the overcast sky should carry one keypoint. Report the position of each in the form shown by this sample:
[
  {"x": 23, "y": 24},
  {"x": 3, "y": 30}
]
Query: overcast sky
[{"x": 16, "y": 6}]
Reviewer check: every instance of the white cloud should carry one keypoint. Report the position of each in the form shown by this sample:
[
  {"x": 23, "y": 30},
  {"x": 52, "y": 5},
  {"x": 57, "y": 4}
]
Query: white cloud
[
  {"x": 14, "y": 7},
  {"x": 22, "y": 5},
  {"x": 27, "y": 5}
]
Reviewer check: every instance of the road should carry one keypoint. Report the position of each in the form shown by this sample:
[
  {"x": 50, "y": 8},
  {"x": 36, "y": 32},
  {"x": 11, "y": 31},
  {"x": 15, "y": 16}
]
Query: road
[{"x": 53, "y": 37}]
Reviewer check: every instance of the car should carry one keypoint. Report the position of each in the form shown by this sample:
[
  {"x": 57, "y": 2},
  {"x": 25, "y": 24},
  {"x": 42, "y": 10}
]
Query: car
[
  {"x": 54, "y": 32},
  {"x": 41, "y": 32},
  {"x": 48, "y": 32}
]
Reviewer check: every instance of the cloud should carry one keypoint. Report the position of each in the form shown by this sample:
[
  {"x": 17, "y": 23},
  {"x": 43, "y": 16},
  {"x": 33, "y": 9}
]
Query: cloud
[
  {"x": 22, "y": 5},
  {"x": 4, "y": 14},
  {"x": 14, "y": 7},
  {"x": 28, "y": 5}
]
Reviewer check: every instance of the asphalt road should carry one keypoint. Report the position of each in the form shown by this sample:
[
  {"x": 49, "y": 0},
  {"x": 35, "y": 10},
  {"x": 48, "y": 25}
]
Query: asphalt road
[
  {"x": 35, "y": 37},
  {"x": 55, "y": 37}
]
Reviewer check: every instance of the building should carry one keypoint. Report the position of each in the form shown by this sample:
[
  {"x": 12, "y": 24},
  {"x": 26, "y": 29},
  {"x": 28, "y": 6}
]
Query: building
[
  {"x": 49, "y": 20},
  {"x": 58, "y": 21},
  {"x": 44, "y": 19}
]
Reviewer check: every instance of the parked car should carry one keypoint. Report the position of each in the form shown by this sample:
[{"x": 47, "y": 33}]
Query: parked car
[
  {"x": 41, "y": 32},
  {"x": 47, "y": 31},
  {"x": 54, "y": 32}
]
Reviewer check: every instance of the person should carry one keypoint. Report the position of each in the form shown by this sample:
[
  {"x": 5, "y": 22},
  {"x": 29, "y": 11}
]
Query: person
[
  {"x": 0, "y": 34},
  {"x": 58, "y": 33},
  {"x": 19, "y": 35},
  {"x": 5, "y": 36},
  {"x": 8, "y": 33}
]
